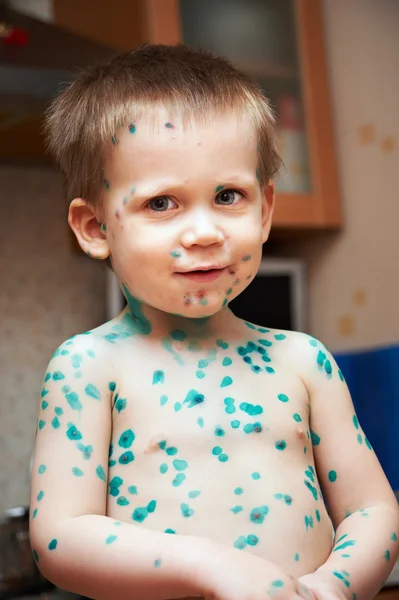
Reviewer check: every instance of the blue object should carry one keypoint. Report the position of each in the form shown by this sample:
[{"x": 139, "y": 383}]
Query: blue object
[{"x": 373, "y": 380}]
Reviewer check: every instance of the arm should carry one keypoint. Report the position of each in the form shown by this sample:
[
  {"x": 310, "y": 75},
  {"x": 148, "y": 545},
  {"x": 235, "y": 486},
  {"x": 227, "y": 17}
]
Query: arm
[
  {"x": 75, "y": 545},
  {"x": 361, "y": 504}
]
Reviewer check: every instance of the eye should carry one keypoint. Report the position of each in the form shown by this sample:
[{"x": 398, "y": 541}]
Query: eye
[
  {"x": 227, "y": 197},
  {"x": 159, "y": 204}
]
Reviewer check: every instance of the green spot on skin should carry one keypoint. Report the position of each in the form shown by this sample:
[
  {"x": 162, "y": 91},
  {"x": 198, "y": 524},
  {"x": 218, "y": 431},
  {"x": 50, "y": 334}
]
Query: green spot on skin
[
  {"x": 235, "y": 424},
  {"x": 58, "y": 411},
  {"x": 86, "y": 450},
  {"x": 40, "y": 496},
  {"x": 200, "y": 421},
  {"x": 217, "y": 450},
  {"x": 237, "y": 509},
  {"x": 394, "y": 537},
  {"x": 219, "y": 432},
  {"x": 157, "y": 562},
  {"x": 223, "y": 458},
  {"x": 194, "y": 493},
  {"x": 255, "y": 475},
  {"x": 226, "y": 361},
  {"x": 177, "y": 406},
  {"x": 253, "y": 427},
  {"x": 169, "y": 125},
  {"x": 308, "y": 521},
  {"x": 42, "y": 469},
  {"x": 359, "y": 438},
  {"x": 112, "y": 386},
  {"x": 180, "y": 465},
  {"x": 342, "y": 577},
  {"x": 297, "y": 418},
  {"x": 171, "y": 451},
  {"x": 151, "y": 506},
  {"x": 246, "y": 258},
  {"x": 296, "y": 556},
  {"x": 126, "y": 439},
  {"x": 35, "y": 555},
  {"x": 158, "y": 377},
  {"x": 43, "y": 393},
  {"x": 193, "y": 398},
  {"x": 200, "y": 374},
  {"x": 344, "y": 545},
  {"x": 258, "y": 514},
  {"x": 240, "y": 542},
  {"x": 219, "y": 189},
  {"x": 126, "y": 458},
  {"x": 57, "y": 376},
  {"x": 317, "y": 513},
  {"x": 278, "y": 583},
  {"x": 178, "y": 334},
  {"x": 315, "y": 438},
  {"x": 56, "y": 423},
  {"x": 238, "y": 491},
  {"x": 34, "y": 513},
  {"x": 77, "y": 472},
  {"x": 178, "y": 480},
  {"x": 186, "y": 511},
  {"x": 41, "y": 424},
  {"x": 111, "y": 539},
  {"x": 73, "y": 401},
  {"x": 92, "y": 391},
  {"x": 226, "y": 381},
  {"x": 101, "y": 473},
  {"x": 53, "y": 544},
  {"x": 280, "y": 445},
  {"x": 169, "y": 531},
  {"x": 76, "y": 360},
  {"x": 387, "y": 555},
  {"x": 251, "y": 409},
  {"x": 47, "y": 376},
  {"x": 163, "y": 468},
  {"x": 355, "y": 421},
  {"x": 163, "y": 400},
  {"x": 252, "y": 539},
  {"x": 120, "y": 404},
  {"x": 44, "y": 404},
  {"x": 132, "y": 489},
  {"x": 332, "y": 476},
  {"x": 140, "y": 514},
  {"x": 311, "y": 488},
  {"x": 132, "y": 128},
  {"x": 283, "y": 398}
]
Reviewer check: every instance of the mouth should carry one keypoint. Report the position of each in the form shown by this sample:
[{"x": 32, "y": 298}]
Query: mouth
[{"x": 203, "y": 275}]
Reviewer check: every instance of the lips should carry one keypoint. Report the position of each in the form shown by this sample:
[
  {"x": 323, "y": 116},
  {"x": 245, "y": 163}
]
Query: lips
[{"x": 203, "y": 275}]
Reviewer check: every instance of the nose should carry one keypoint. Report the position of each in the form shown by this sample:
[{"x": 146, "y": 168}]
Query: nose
[{"x": 202, "y": 230}]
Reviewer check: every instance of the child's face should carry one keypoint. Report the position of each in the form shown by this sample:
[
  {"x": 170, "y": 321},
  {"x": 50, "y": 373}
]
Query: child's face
[{"x": 181, "y": 199}]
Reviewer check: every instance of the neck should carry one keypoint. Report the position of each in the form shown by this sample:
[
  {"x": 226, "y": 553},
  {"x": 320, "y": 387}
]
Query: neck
[{"x": 147, "y": 320}]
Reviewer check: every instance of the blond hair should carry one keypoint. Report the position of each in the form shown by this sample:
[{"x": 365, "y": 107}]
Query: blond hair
[{"x": 84, "y": 120}]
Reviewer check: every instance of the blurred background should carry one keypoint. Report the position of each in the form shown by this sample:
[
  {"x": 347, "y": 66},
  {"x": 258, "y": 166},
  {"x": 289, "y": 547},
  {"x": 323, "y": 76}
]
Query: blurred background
[{"x": 330, "y": 69}]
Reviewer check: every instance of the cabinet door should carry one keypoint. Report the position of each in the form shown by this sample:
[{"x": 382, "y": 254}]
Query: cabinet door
[{"x": 280, "y": 44}]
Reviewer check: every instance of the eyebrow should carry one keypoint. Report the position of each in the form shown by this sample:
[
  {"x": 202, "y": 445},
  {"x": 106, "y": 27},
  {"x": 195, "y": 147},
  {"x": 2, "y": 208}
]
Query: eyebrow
[{"x": 161, "y": 187}]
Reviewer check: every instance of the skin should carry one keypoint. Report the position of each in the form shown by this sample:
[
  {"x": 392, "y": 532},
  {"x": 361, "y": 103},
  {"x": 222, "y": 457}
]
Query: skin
[{"x": 178, "y": 417}]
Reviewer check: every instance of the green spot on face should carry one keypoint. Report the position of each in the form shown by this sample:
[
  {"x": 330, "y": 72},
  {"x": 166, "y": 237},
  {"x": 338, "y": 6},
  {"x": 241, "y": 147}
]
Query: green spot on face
[
  {"x": 226, "y": 381},
  {"x": 332, "y": 476},
  {"x": 255, "y": 475},
  {"x": 296, "y": 556},
  {"x": 157, "y": 562},
  {"x": 219, "y": 189},
  {"x": 92, "y": 391},
  {"x": 111, "y": 539},
  {"x": 77, "y": 472},
  {"x": 246, "y": 258},
  {"x": 169, "y": 125},
  {"x": 132, "y": 128},
  {"x": 178, "y": 334},
  {"x": 278, "y": 583},
  {"x": 158, "y": 377}
]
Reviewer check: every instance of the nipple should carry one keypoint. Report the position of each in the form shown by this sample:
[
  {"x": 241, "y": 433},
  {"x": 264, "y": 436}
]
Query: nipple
[{"x": 300, "y": 432}]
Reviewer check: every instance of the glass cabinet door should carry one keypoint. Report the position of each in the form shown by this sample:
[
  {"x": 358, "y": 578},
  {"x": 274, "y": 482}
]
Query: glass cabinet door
[{"x": 259, "y": 37}]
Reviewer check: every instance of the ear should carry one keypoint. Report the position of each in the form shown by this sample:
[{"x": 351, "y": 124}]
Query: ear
[
  {"x": 268, "y": 198},
  {"x": 89, "y": 232}
]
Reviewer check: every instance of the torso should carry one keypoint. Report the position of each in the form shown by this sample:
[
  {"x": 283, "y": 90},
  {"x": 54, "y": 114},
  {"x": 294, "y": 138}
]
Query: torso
[{"x": 208, "y": 464}]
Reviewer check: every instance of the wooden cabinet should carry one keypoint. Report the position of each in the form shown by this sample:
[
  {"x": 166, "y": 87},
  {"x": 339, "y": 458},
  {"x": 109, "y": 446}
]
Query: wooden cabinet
[{"x": 281, "y": 44}]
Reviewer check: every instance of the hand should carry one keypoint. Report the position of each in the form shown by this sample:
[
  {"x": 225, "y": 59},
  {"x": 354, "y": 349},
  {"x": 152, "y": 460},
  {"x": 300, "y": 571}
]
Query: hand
[
  {"x": 231, "y": 574},
  {"x": 324, "y": 586}
]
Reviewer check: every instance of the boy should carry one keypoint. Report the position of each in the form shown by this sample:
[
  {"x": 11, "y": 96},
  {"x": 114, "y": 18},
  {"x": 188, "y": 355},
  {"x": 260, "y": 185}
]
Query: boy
[{"x": 181, "y": 452}]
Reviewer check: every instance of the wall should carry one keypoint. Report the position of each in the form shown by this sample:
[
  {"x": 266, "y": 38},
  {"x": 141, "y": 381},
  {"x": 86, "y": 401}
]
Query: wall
[
  {"x": 47, "y": 293},
  {"x": 354, "y": 276}
]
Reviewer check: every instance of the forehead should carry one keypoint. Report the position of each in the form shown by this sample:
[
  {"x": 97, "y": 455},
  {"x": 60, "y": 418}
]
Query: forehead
[{"x": 165, "y": 143}]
